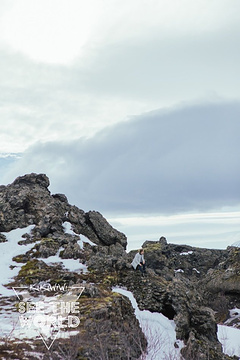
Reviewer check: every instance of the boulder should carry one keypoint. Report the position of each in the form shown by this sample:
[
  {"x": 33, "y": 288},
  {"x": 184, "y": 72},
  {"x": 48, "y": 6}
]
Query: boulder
[
  {"x": 32, "y": 179},
  {"x": 104, "y": 231}
]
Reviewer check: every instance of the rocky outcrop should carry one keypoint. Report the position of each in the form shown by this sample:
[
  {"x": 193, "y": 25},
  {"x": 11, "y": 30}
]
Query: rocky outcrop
[
  {"x": 181, "y": 283},
  {"x": 106, "y": 233},
  {"x": 181, "y": 280},
  {"x": 28, "y": 201},
  {"x": 166, "y": 259},
  {"x": 226, "y": 276},
  {"x": 63, "y": 231},
  {"x": 178, "y": 299}
]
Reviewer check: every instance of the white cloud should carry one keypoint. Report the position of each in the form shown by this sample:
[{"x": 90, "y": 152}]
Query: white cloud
[
  {"x": 58, "y": 31},
  {"x": 212, "y": 229},
  {"x": 163, "y": 166},
  {"x": 160, "y": 162},
  {"x": 49, "y": 31},
  {"x": 45, "y": 103},
  {"x": 138, "y": 56},
  {"x": 122, "y": 19}
]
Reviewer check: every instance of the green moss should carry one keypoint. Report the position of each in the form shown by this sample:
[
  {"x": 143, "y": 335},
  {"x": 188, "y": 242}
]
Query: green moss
[
  {"x": 35, "y": 270},
  {"x": 153, "y": 247},
  {"x": 29, "y": 268},
  {"x": 20, "y": 258},
  {"x": 116, "y": 295},
  {"x": 106, "y": 299},
  {"x": 109, "y": 280},
  {"x": 47, "y": 240},
  {"x": 29, "y": 271}
]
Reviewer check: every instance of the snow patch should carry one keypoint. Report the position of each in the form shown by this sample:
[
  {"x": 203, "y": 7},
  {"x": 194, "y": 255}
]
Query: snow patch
[
  {"x": 87, "y": 240},
  {"x": 12, "y": 327},
  {"x": 229, "y": 337},
  {"x": 235, "y": 313},
  {"x": 8, "y": 250},
  {"x": 159, "y": 331},
  {"x": 67, "y": 226},
  {"x": 179, "y": 271},
  {"x": 234, "y": 319},
  {"x": 196, "y": 270},
  {"x": 187, "y": 253},
  {"x": 69, "y": 264},
  {"x": 82, "y": 239}
]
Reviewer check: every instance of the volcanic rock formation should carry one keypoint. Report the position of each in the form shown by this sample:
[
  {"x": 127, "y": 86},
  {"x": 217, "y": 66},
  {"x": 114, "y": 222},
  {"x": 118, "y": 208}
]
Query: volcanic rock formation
[{"x": 192, "y": 286}]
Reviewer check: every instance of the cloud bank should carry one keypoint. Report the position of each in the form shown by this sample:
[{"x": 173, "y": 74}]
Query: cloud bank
[
  {"x": 137, "y": 56},
  {"x": 163, "y": 162}
]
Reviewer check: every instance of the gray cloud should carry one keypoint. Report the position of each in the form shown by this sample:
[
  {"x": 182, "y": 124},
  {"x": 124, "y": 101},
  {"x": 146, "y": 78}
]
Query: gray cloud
[
  {"x": 168, "y": 69},
  {"x": 159, "y": 162},
  {"x": 114, "y": 79}
]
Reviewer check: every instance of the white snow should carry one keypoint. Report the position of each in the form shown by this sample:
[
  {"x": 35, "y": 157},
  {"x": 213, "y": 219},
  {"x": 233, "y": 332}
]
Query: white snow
[
  {"x": 234, "y": 319},
  {"x": 12, "y": 327},
  {"x": 229, "y": 337},
  {"x": 179, "y": 271},
  {"x": 234, "y": 312},
  {"x": 196, "y": 270},
  {"x": 187, "y": 253},
  {"x": 69, "y": 264},
  {"x": 82, "y": 239},
  {"x": 68, "y": 228},
  {"x": 8, "y": 250},
  {"x": 159, "y": 331}
]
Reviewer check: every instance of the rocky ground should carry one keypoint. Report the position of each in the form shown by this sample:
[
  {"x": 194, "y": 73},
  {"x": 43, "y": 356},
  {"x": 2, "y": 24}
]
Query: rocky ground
[{"x": 195, "y": 287}]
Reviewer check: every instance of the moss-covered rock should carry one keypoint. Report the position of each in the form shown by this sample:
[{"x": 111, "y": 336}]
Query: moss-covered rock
[{"x": 36, "y": 271}]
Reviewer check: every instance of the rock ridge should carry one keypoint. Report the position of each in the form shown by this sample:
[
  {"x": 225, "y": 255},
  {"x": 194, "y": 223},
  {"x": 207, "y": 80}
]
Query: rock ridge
[{"x": 195, "y": 287}]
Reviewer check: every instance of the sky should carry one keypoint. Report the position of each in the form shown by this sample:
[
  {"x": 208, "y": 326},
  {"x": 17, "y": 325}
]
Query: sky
[{"x": 130, "y": 107}]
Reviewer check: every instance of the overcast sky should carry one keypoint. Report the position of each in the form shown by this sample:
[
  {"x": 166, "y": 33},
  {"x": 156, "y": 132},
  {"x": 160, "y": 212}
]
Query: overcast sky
[{"x": 132, "y": 107}]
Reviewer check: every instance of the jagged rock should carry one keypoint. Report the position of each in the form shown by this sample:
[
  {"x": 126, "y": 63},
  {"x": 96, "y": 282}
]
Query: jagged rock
[
  {"x": 108, "y": 258},
  {"x": 117, "y": 250},
  {"x": 110, "y": 327},
  {"x": 225, "y": 278},
  {"x": 163, "y": 240},
  {"x": 71, "y": 251},
  {"x": 60, "y": 197},
  {"x": 181, "y": 280},
  {"x": 32, "y": 179},
  {"x": 91, "y": 290},
  {"x": 2, "y": 238},
  {"x": 104, "y": 231},
  {"x": 28, "y": 201},
  {"x": 180, "y": 295},
  {"x": 47, "y": 247},
  {"x": 165, "y": 258}
]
